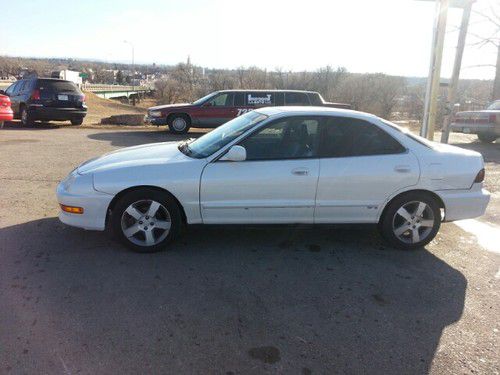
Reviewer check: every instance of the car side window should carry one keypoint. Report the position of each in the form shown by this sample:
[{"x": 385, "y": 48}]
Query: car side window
[
  {"x": 222, "y": 100},
  {"x": 290, "y": 138},
  {"x": 296, "y": 98},
  {"x": 239, "y": 99},
  {"x": 346, "y": 136},
  {"x": 259, "y": 99},
  {"x": 11, "y": 89},
  {"x": 22, "y": 87}
]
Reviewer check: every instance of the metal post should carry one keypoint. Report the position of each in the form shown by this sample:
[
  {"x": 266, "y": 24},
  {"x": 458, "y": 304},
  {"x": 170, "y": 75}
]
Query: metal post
[
  {"x": 432, "y": 89},
  {"x": 452, "y": 91},
  {"x": 133, "y": 70}
]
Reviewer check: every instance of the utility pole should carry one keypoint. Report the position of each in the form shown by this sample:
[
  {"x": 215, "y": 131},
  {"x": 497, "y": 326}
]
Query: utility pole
[
  {"x": 133, "y": 70},
  {"x": 452, "y": 90},
  {"x": 433, "y": 79}
]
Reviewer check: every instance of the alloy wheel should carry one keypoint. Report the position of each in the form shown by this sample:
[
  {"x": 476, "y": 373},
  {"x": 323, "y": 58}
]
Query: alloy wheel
[
  {"x": 413, "y": 222},
  {"x": 146, "y": 222}
]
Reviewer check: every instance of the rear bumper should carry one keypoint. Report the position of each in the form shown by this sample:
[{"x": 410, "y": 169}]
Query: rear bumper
[
  {"x": 56, "y": 114},
  {"x": 475, "y": 128},
  {"x": 6, "y": 116},
  {"x": 464, "y": 204}
]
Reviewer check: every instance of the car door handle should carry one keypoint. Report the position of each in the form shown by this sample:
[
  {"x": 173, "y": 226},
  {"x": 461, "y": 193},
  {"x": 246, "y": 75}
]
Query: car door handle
[
  {"x": 402, "y": 168},
  {"x": 300, "y": 171}
]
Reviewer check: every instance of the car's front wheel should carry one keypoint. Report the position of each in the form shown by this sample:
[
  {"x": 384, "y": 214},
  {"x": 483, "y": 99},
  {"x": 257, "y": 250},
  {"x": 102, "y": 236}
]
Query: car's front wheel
[
  {"x": 486, "y": 138},
  {"x": 179, "y": 124},
  {"x": 146, "y": 220},
  {"x": 411, "y": 221}
]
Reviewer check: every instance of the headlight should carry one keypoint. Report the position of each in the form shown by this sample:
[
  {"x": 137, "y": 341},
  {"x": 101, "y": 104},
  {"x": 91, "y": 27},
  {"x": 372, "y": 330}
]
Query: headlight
[{"x": 155, "y": 113}]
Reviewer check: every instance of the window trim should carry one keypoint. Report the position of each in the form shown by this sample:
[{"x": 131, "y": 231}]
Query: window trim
[{"x": 322, "y": 155}]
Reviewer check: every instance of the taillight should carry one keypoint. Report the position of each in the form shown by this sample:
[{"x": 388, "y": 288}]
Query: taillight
[
  {"x": 493, "y": 118},
  {"x": 480, "y": 176},
  {"x": 36, "y": 94}
]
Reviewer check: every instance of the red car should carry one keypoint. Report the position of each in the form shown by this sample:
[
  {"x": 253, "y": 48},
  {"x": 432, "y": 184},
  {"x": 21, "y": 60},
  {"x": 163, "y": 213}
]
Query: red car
[
  {"x": 221, "y": 106},
  {"x": 6, "y": 113}
]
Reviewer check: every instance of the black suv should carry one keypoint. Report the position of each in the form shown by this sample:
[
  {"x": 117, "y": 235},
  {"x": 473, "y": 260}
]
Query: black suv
[{"x": 46, "y": 99}]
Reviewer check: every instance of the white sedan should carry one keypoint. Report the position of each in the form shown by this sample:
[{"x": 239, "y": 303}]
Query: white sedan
[{"x": 279, "y": 165}]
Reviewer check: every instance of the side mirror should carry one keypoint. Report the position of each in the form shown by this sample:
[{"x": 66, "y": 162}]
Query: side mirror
[
  {"x": 207, "y": 104},
  {"x": 235, "y": 153},
  {"x": 2, "y": 92}
]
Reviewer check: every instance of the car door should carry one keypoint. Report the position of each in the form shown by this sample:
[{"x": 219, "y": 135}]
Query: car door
[
  {"x": 217, "y": 110},
  {"x": 361, "y": 166},
  {"x": 275, "y": 184}
]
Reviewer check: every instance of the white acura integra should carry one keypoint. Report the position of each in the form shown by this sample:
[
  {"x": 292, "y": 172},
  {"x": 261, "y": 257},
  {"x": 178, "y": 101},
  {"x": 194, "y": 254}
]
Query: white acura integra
[{"x": 279, "y": 165}]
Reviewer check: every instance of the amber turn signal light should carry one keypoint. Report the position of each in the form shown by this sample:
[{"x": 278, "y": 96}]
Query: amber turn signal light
[{"x": 71, "y": 209}]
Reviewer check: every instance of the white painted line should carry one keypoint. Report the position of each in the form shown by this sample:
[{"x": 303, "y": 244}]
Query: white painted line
[{"x": 488, "y": 235}]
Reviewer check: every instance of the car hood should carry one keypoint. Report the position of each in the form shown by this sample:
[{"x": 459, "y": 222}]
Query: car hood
[
  {"x": 153, "y": 153},
  {"x": 170, "y": 106}
]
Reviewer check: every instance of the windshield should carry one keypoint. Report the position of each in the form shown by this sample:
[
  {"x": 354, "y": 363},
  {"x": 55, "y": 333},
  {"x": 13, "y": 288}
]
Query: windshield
[
  {"x": 205, "y": 98},
  {"x": 494, "y": 105},
  {"x": 409, "y": 134},
  {"x": 218, "y": 138}
]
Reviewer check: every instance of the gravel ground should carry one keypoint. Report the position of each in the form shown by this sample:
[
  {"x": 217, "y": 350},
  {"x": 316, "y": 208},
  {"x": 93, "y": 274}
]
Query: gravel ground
[{"x": 230, "y": 300}]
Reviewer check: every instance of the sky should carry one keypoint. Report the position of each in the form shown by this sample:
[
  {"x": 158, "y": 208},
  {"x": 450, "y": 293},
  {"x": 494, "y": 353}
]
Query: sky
[{"x": 388, "y": 36}]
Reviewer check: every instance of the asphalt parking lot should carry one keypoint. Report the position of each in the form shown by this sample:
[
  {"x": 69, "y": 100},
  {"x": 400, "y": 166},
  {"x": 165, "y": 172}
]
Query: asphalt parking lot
[{"x": 231, "y": 300}]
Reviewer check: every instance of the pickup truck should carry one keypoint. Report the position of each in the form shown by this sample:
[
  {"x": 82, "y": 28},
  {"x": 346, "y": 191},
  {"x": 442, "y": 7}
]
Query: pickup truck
[
  {"x": 219, "y": 107},
  {"x": 485, "y": 123}
]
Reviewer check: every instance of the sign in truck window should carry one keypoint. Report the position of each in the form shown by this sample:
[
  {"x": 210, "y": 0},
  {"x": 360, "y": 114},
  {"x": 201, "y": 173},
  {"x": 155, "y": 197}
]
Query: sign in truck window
[{"x": 258, "y": 98}]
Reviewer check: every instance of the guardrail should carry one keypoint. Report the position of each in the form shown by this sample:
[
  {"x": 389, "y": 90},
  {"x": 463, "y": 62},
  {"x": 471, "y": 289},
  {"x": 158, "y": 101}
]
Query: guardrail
[{"x": 97, "y": 87}]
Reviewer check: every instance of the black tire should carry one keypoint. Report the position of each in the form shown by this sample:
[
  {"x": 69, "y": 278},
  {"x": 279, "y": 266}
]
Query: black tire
[
  {"x": 486, "y": 138},
  {"x": 179, "y": 124},
  {"x": 392, "y": 221},
  {"x": 77, "y": 121},
  {"x": 26, "y": 118},
  {"x": 141, "y": 196}
]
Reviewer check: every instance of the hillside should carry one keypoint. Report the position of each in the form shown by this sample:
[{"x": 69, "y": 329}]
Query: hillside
[{"x": 99, "y": 108}]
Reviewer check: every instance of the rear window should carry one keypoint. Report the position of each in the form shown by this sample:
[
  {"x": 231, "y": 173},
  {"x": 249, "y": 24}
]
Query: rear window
[
  {"x": 315, "y": 98},
  {"x": 296, "y": 98},
  {"x": 57, "y": 86}
]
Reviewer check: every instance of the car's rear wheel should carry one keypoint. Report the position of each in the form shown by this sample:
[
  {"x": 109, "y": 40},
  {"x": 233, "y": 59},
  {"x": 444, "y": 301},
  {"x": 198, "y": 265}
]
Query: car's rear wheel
[
  {"x": 26, "y": 118},
  {"x": 179, "y": 124},
  {"x": 146, "y": 220},
  {"x": 411, "y": 221},
  {"x": 77, "y": 121},
  {"x": 487, "y": 138}
]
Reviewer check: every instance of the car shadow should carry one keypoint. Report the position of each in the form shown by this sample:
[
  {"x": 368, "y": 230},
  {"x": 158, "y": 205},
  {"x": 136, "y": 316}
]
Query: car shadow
[
  {"x": 239, "y": 299},
  {"x": 126, "y": 138},
  {"x": 16, "y": 125}
]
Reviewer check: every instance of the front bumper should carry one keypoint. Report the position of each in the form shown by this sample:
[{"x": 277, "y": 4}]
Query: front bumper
[
  {"x": 155, "y": 120},
  {"x": 38, "y": 112},
  {"x": 464, "y": 204},
  {"x": 95, "y": 205}
]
